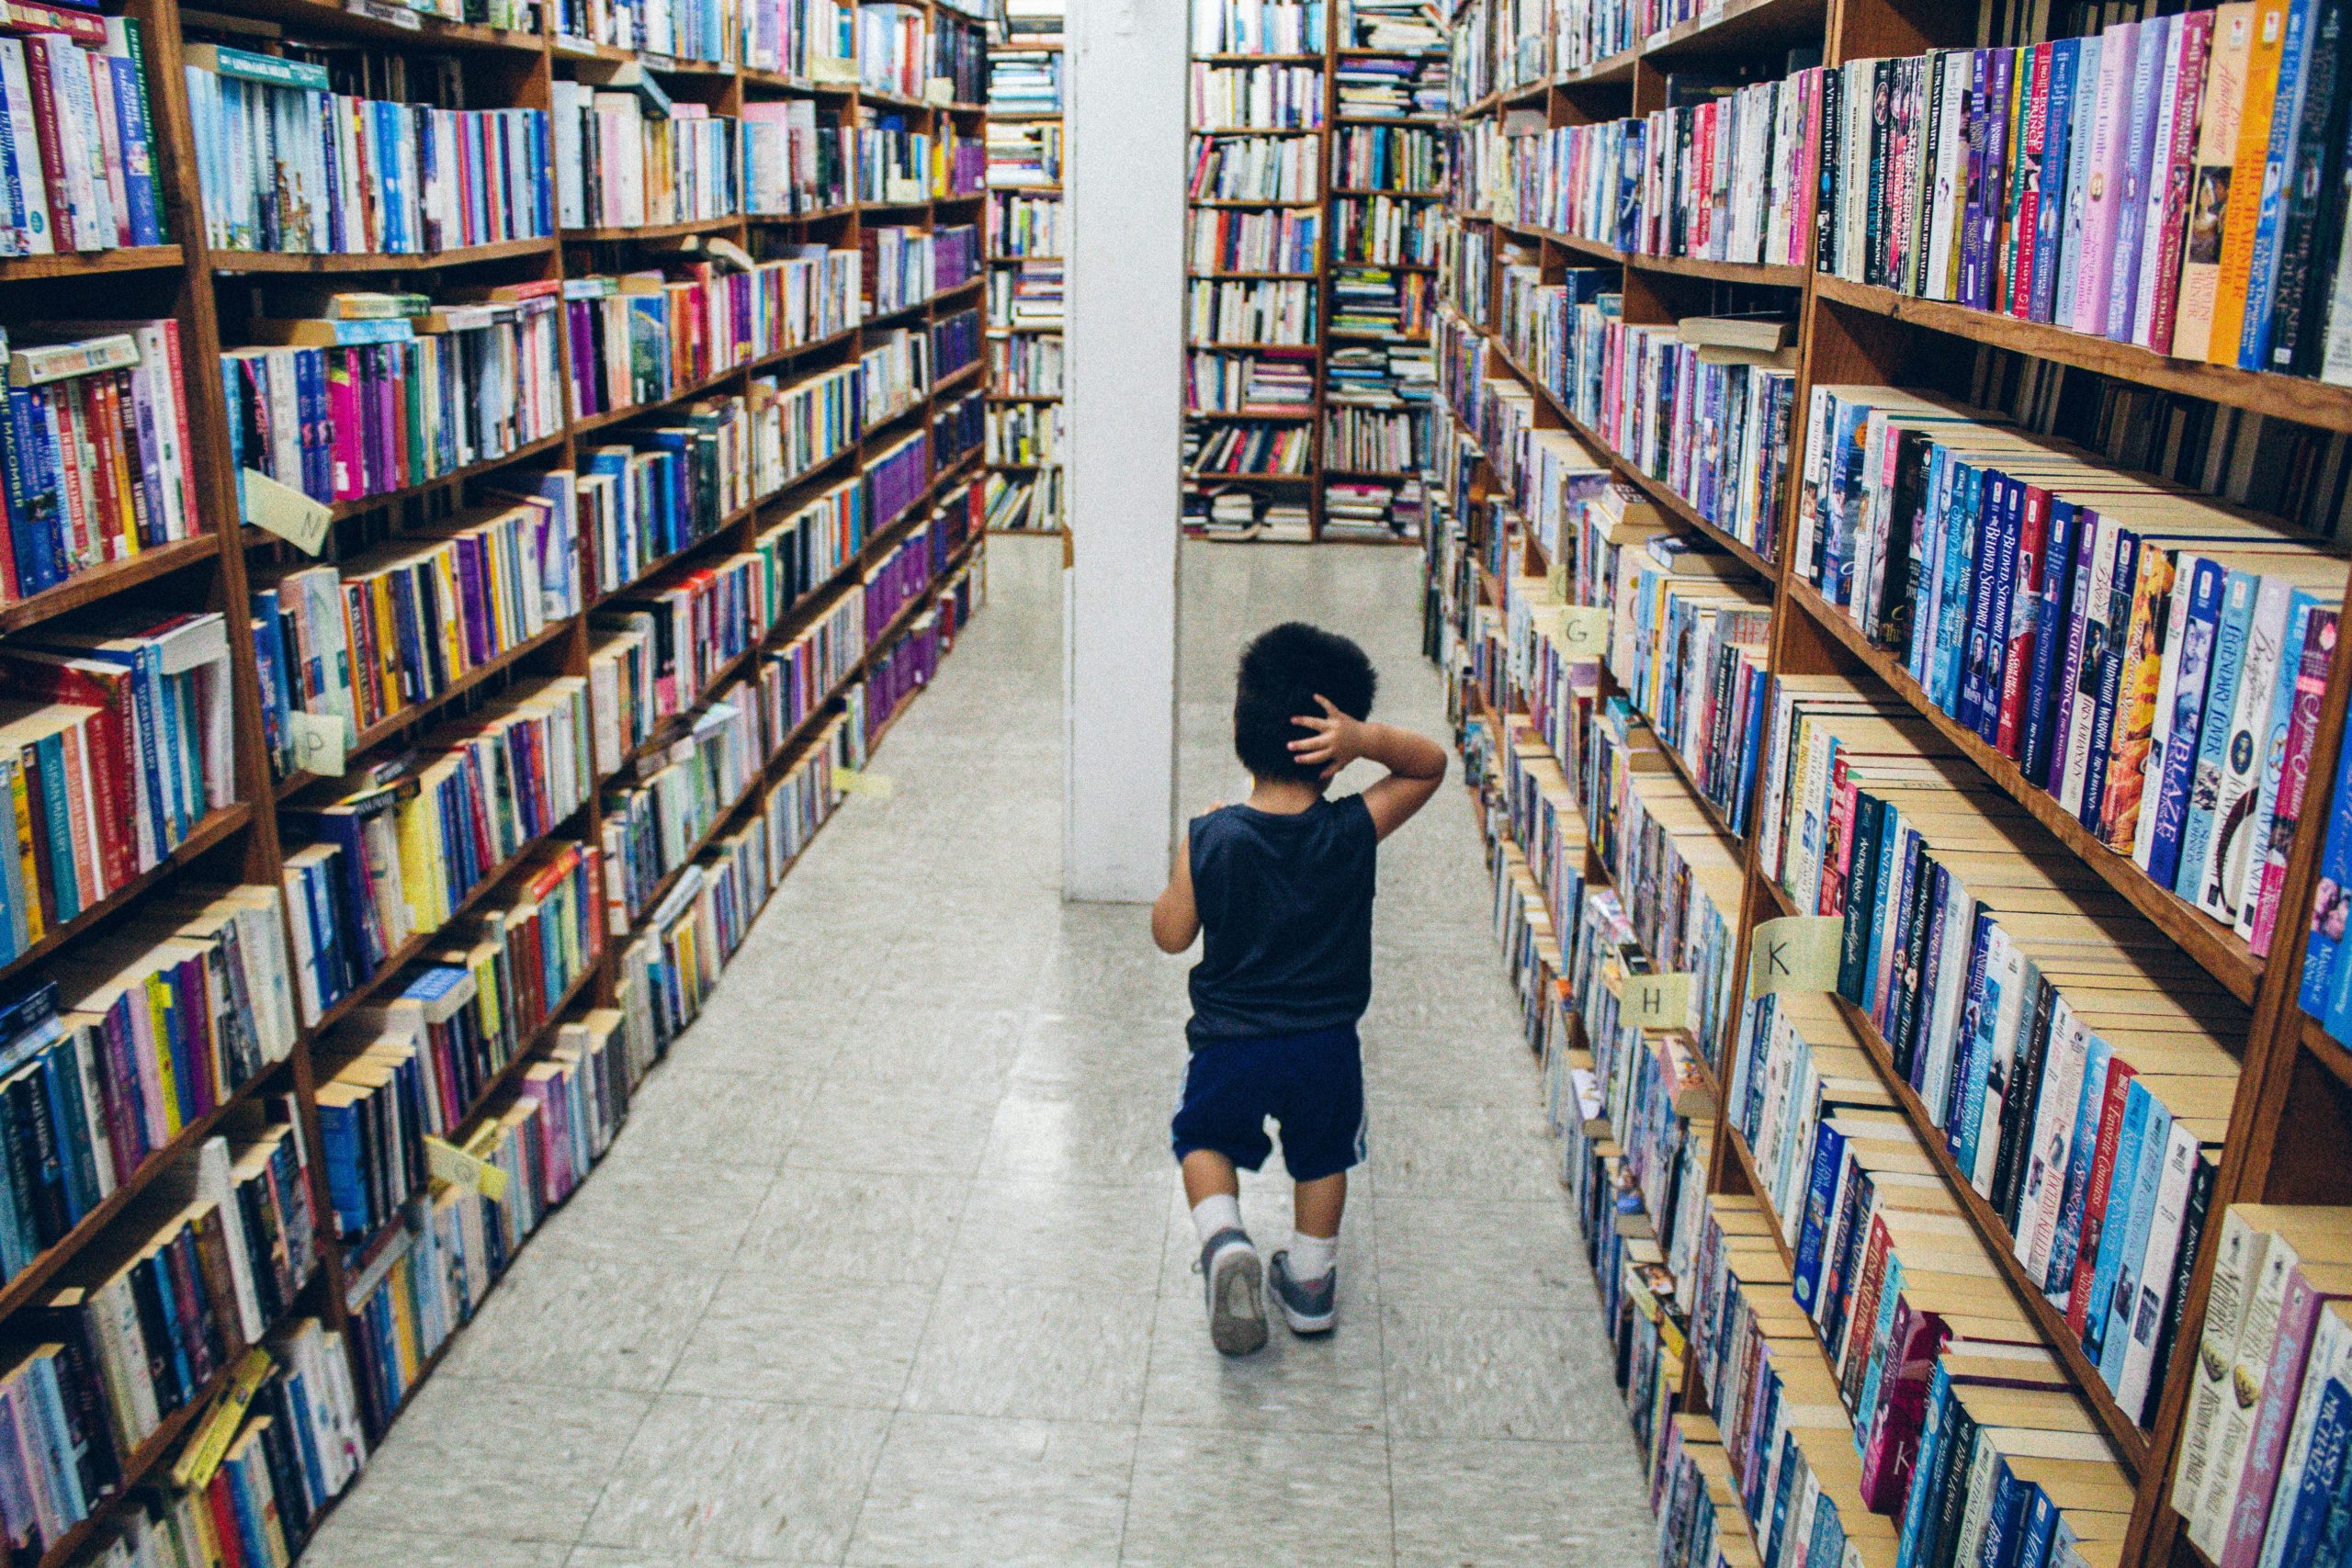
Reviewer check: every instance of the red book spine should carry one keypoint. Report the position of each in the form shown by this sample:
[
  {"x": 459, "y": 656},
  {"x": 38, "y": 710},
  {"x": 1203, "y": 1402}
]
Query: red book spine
[
  {"x": 2110, "y": 1128},
  {"x": 2033, "y": 532},
  {"x": 64, "y": 219},
  {"x": 179, "y": 415},
  {"x": 106, "y": 523}
]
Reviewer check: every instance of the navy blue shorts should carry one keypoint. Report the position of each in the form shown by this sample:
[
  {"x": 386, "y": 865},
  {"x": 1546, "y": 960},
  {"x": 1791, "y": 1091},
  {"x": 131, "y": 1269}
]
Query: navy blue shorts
[{"x": 1312, "y": 1085}]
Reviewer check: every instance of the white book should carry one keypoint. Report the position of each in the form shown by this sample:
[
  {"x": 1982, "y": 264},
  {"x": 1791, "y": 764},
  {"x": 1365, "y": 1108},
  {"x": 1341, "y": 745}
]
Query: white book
[
  {"x": 2159, "y": 185},
  {"x": 2056, "y": 1114},
  {"x": 2168, "y": 694},
  {"x": 1940, "y": 268},
  {"x": 19, "y": 164},
  {"x": 2220, "y": 876},
  {"x": 2157, "y": 1267}
]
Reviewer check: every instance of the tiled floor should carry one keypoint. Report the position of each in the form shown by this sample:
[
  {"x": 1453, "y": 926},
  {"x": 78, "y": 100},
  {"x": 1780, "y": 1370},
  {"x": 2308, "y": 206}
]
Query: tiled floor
[{"x": 889, "y": 1267}]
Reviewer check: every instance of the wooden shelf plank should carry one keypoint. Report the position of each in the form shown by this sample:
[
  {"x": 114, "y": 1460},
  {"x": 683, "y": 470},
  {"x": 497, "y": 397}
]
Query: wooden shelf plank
[
  {"x": 104, "y": 581},
  {"x": 2294, "y": 398},
  {"x": 90, "y": 264},
  {"x": 229, "y": 263}
]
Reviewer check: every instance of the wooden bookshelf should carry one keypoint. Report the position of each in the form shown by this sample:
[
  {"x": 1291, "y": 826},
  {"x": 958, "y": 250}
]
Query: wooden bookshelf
[
  {"x": 1336, "y": 28},
  {"x": 205, "y": 291},
  {"x": 2291, "y": 1122},
  {"x": 1042, "y": 510}
]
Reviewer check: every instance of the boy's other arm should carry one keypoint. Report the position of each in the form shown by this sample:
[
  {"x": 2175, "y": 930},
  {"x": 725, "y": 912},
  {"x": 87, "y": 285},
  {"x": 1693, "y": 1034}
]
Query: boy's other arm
[
  {"x": 1416, "y": 764},
  {"x": 1175, "y": 922}
]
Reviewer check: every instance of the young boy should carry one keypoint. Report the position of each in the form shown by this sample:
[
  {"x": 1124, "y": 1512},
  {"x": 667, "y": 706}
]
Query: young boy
[{"x": 1283, "y": 886}]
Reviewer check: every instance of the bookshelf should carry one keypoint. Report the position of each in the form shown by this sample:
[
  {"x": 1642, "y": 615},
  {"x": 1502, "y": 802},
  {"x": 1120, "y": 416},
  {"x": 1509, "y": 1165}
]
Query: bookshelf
[
  {"x": 1328, "y": 423},
  {"x": 1028, "y": 224},
  {"x": 889, "y": 151},
  {"x": 1519, "y": 463}
]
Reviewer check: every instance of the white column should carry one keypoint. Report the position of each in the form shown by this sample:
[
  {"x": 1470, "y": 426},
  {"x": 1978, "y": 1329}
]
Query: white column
[{"x": 1124, "y": 171}]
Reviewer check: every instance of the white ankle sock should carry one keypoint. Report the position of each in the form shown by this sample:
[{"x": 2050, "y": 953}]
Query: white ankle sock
[
  {"x": 1312, "y": 1257},
  {"x": 1219, "y": 1212}
]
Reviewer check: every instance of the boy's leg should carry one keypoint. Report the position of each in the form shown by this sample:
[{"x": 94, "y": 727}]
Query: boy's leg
[
  {"x": 1212, "y": 1190},
  {"x": 1322, "y": 1137},
  {"x": 1316, "y": 1208}
]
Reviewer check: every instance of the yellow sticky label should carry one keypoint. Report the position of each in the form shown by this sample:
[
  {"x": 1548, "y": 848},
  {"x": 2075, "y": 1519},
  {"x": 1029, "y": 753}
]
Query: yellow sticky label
[
  {"x": 286, "y": 511},
  {"x": 850, "y": 781},
  {"x": 451, "y": 1164},
  {"x": 1583, "y": 630},
  {"x": 1795, "y": 952},
  {"x": 318, "y": 743},
  {"x": 195, "y": 1467},
  {"x": 1655, "y": 1001}
]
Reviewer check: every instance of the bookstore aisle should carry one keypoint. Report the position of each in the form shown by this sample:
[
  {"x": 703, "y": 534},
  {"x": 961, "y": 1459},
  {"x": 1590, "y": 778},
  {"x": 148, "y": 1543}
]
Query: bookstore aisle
[{"x": 888, "y": 1266}]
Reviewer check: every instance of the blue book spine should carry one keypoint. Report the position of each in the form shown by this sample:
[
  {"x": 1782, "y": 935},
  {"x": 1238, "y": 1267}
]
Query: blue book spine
[
  {"x": 138, "y": 149},
  {"x": 1998, "y": 615},
  {"x": 2138, "y": 157},
  {"x": 2050, "y": 219},
  {"x": 2041, "y": 1523},
  {"x": 1964, "y": 1096},
  {"x": 2058, "y": 1280},
  {"x": 1983, "y": 567},
  {"x": 2238, "y": 593},
  {"x": 1961, "y": 534},
  {"x": 1828, "y": 1156},
  {"x": 2124, "y": 1304},
  {"x": 2115, "y": 1228},
  {"x": 2113, "y": 657},
  {"x": 2336, "y": 1535},
  {"x": 2198, "y": 632},
  {"x": 2306, "y": 1523},
  {"x": 2294, "y": 73},
  {"x": 1934, "y": 1461},
  {"x": 2331, "y": 903},
  {"x": 2049, "y": 634}
]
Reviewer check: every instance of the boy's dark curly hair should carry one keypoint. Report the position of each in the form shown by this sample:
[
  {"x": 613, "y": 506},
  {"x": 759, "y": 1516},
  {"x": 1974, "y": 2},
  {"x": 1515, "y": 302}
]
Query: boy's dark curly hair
[{"x": 1283, "y": 671}]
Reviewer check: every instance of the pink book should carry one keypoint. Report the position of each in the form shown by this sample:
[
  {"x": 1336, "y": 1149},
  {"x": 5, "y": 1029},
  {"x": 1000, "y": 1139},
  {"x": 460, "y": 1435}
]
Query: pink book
[
  {"x": 2102, "y": 207},
  {"x": 2160, "y": 273},
  {"x": 2294, "y": 776},
  {"x": 2307, "y": 1286},
  {"x": 342, "y": 409}
]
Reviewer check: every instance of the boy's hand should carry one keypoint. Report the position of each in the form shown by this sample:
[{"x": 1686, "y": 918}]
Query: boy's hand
[{"x": 1337, "y": 739}]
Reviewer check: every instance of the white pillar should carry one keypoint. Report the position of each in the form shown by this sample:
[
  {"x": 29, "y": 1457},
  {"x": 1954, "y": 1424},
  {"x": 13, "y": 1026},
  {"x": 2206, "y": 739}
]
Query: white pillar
[{"x": 1124, "y": 171}]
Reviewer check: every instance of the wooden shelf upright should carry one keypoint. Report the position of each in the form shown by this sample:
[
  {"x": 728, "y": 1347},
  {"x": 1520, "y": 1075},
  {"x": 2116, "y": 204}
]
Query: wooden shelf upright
[
  {"x": 211, "y": 293},
  {"x": 1848, "y": 334}
]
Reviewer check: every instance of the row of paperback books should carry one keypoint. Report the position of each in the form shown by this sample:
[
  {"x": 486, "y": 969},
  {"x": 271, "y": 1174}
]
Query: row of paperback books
[
  {"x": 1254, "y": 168},
  {"x": 1385, "y": 157},
  {"x": 1026, "y": 225},
  {"x": 95, "y": 454},
  {"x": 1385, "y": 230},
  {"x": 1026, "y": 435},
  {"x": 397, "y": 845},
  {"x": 1255, "y": 97},
  {"x": 645, "y": 337},
  {"x": 152, "y": 1320},
  {"x": 1254, "y": 448},
  {"x": 796, "y": 158},
  {"x": 1225, "y": 240},
  {"x": 621, "y": 162},
  {"x": 113, "y": 1059},
  {"x": 2013, "y": 992},
  {"x": 2162, "y": 657},
  {"x": 116, "y": 747},
  {"x": 78, "y": 138},
  {"x": 398, "y": 625},
  {"x": 2172, "y": 182},
  {"x": 1241, "y": 314},
  {"x": 287, "y": 164},
  {"x": 1383, "y": 303},
  {"x": 1259, "y": 27},
  {"x": 1025, "y": 298},
  {"x": 1277, "y": 382},
  {"x": 1029, "y": 366},
  {"x": 379, "y": 392},
  {"x": 2261, "y": 1478}
]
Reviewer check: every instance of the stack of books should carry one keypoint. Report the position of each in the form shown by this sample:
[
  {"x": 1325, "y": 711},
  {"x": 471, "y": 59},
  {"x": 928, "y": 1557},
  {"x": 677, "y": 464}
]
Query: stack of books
[
  {"x": 1405, "y": 26},
  {"x": 1269, "y": 383},
  {"x": 892, "y": 48},
  {"x": 1368, "y": 302},
  {"x": 1024, "y": 85},
  {"x": 1023, "y": 152},
  {"x": 1390, "y": 89},
  {"x": 1027, "y": 297}
]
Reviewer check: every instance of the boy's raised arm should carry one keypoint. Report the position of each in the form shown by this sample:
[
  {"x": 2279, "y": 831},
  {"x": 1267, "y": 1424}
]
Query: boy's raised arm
[{"x": 1416, "y": 764}]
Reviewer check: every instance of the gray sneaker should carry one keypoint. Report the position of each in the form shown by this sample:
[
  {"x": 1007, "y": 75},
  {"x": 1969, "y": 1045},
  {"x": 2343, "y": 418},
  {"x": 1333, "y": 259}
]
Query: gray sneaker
[
  {"x": 1237, "y": 1304},
  {"x": 1308, "y": 1309}
]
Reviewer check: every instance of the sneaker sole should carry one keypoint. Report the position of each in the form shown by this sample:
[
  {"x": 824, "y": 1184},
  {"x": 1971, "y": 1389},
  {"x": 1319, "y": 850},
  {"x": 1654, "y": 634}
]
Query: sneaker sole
[
  {"x": 1238, "y": 1303},
  {"x": 1307, "y": 1323}
]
